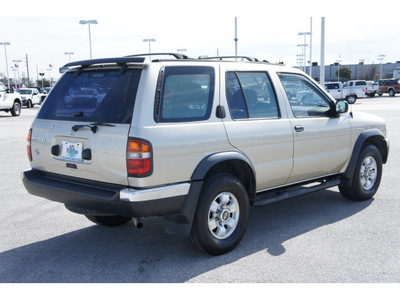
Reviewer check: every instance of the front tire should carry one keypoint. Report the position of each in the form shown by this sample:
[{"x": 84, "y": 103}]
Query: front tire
[
  {"x": 367, "y": 175},
  {"x": 16, "y": 109},
  {"x": 221, "y": 216}
]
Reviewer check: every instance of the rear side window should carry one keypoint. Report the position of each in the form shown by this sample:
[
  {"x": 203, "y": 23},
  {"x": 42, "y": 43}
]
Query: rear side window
[
  {"x": 184, "y": 94},
  {"x": 93, "y": 96}
]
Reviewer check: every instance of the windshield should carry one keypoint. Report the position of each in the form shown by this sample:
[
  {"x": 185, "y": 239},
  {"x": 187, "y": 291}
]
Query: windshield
[{"x": 93, "y": 96}]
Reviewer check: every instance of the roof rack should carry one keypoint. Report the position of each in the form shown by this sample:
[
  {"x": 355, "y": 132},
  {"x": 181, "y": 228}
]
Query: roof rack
[
  {"x": 116, "y": 60},
  {"x": 176, "y": 55},
  {"x": 229, "y": 57}
]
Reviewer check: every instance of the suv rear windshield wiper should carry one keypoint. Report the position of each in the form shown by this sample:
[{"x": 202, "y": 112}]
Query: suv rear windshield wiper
[{"x": 92, "y": 126}]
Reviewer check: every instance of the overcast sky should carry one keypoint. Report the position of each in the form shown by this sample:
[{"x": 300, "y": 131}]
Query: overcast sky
[{"x": 45, "y": 30}]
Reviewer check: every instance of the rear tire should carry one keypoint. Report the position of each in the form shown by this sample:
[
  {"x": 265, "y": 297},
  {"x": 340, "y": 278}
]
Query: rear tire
[
  {"x": 108, "y": 220},
  {"x": 221, "y": 216},
  {"x": 351, "y": 99},
  {"x": 367, "y": 175}
]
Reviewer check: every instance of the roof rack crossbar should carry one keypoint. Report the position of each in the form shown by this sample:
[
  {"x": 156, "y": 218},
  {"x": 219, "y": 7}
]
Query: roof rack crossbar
[
  {"x": 175, "y": 55},
  {"x": 229, "y": 57}
]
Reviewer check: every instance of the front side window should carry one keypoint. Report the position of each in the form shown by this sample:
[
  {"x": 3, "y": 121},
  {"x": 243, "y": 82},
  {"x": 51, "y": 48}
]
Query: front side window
[
  {"x": 186, "y": 94},
  {"x": 305, "y": 99},
  {"x": 250, "y": 95},
  {"x": 93, "y": 96}
]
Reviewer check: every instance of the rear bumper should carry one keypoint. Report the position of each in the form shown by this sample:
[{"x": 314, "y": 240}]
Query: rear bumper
[{"x": 105, "y": 198}]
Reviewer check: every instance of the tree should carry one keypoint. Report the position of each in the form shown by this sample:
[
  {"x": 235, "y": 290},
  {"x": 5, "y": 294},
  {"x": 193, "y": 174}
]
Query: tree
[
  {"x": 46, "y": 82},
  {"x": 344, "y": 73}
]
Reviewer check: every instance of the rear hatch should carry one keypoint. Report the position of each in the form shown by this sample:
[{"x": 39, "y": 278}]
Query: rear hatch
[{"x": 82, "y": 127}]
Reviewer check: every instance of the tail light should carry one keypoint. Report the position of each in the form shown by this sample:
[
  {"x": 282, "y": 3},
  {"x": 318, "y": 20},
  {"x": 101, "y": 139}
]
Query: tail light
[
  {"x": 28, "y": 145},
  {"x": 138, "y": 158}
]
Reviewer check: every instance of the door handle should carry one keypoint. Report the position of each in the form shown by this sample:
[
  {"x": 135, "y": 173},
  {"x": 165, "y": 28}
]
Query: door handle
[{"x": 299, "y": 128}]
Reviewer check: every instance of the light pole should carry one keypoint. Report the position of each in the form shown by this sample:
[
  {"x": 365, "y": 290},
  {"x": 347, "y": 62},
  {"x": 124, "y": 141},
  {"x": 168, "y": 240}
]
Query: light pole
[
  {"x": 149, "y": 41},
  {"x": 5, "y": 51},
  {"x": 303, "y": 53},
  {"x": 305, "y": 45},
  {"x": 69, "y": 55},
  {"x": 381, "y": 57},
  {"x": 83, "y": 22},
  {"x": 338, "y": 69}
]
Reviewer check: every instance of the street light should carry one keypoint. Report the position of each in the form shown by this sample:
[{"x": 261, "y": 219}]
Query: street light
[
  {"x": 5, "y": 51},
  {"x": 69, "y": 55},
  {"x": 381, "y": 57},
  {"x": 303, "y": 52},
  {"x": 305, "y": 45},
  {"x": 338, "y": 69},
  {"x": 83, "y": 22},
  {"x": 149, "y": 41}
]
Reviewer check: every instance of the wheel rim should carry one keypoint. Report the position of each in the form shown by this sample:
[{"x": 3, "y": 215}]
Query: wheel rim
[
  {"x": 223, "y": 215},
  {"x": 368, "y": 173},
  {"x": 17, "y": 109}
]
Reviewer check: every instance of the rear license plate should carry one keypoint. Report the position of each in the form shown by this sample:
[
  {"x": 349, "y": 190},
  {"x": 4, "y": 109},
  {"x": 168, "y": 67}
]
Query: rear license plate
[{"x": 72, "y": 151}]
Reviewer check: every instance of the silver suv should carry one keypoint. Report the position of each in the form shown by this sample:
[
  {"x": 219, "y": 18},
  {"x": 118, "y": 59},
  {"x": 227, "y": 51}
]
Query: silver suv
[{"x": 196, "y": 141}]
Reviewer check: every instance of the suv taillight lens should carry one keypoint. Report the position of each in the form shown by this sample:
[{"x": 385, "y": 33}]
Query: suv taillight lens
[
  {"x": 138, "y": 158},
  {"x": 28, "y": 145}
]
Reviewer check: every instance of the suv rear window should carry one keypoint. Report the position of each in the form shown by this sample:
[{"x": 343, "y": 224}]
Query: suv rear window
[{"x": 93, "y": 96}]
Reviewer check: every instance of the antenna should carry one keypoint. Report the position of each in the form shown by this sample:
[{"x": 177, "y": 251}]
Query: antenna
[{"x": 236, "y": 39}]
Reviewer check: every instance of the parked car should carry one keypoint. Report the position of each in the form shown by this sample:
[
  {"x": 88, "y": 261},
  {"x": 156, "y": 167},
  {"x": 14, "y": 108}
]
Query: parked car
[
  {"x": 389, "y": 86},
  {"x": 354, "y": 89},
  {"x": 29, "y": 96},
  {"x": 335, "y": 89},
  {"x": 10, "y": 100},
  {"x": 196, "y": 141},
  {"x": 42, "y": 93},
  {"x": 349, "y": 91},
  {"x": 372, "y": 88}
]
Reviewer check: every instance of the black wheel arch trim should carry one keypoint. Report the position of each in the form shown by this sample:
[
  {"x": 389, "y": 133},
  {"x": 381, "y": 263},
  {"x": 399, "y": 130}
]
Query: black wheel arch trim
[
  {"x": 376, "y": 138},
  {"x": 181, "y": 224}
]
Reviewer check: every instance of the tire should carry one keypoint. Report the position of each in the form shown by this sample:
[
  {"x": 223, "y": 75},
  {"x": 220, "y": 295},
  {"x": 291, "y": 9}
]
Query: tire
[
  {"x": 16, "y": 109},
  {"x": 367, "y": 175},
  {"x": 29, "y": 104},
  {"x": 351, "y": 99},
  {"x": 380, "y": 94},
  {"x": 108, "y": 220},
  {"x": 221, "y": 216},
  {"x": 391, "y": 93}
]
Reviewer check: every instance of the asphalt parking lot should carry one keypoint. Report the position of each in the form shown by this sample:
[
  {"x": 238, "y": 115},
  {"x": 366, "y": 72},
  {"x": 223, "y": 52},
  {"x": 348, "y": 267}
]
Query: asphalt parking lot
[{"x": 318, "y": 238}]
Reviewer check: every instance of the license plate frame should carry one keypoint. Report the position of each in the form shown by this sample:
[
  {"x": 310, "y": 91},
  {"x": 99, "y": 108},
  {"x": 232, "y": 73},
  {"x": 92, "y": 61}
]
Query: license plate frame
[{"x": 72, "y": 151}]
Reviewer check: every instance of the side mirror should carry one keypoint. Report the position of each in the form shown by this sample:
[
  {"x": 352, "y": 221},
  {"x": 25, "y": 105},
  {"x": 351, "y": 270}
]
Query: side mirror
[{"x": 341, "y": 107}]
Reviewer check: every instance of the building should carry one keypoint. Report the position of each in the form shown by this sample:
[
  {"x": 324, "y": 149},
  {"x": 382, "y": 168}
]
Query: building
[{"x": 359, "y": 71}]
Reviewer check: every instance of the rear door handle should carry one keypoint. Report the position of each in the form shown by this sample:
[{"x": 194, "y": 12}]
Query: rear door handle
[{"x": 299, "y": 128}]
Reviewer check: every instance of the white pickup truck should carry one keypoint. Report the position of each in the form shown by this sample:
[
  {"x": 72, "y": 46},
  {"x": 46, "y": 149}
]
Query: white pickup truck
[
  {"x": 30, "y": 96},
  {"x": 350, "y": 90},
  {"x": 10, "y": 101}
]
